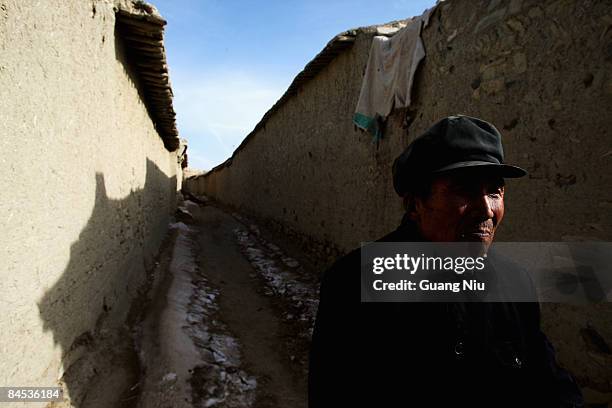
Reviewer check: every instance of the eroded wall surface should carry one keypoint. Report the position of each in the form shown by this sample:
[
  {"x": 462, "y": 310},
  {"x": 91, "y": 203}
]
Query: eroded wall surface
[
  {"x": 86, "y": 186},
  {"x": 539, "y": 70}
]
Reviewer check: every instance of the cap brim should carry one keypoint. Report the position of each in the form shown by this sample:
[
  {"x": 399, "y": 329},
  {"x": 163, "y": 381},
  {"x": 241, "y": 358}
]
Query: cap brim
[{"x": 505, "y": 170}]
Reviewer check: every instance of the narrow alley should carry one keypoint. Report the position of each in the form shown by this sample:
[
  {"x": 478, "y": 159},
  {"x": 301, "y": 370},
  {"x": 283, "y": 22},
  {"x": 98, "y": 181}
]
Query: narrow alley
[
  {"x": 233, "y": 327},
  {"x": 178, "y": 176}
]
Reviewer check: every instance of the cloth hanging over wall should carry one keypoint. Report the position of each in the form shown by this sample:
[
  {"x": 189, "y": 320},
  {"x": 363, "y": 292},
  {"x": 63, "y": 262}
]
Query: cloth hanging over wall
[{"x": 389, "y": 74}]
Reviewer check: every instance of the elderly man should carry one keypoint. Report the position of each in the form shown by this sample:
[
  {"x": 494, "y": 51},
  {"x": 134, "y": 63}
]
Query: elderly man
[{"x": 436, "y": 354}]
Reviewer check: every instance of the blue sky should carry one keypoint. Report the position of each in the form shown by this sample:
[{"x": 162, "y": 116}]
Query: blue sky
[{"x": 231, "y": 60}]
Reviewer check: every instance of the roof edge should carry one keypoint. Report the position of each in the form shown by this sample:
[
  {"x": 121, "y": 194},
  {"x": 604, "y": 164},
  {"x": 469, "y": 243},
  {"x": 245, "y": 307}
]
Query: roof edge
[{"x": 141, "y": 29}]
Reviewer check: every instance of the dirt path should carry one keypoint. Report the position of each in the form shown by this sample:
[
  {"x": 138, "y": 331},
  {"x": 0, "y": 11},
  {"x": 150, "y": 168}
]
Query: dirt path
[
  {"x": 229, "y": 325},
  {"x": 249, "y": 315}
]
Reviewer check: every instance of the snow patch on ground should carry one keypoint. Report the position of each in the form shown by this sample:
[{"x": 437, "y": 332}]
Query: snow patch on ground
[
  {"x": 218, "y": 380},
  {"x": 184, "y": 211},
  {"x": 190, "y": 358},
  {"x": 282, "y": 275},
  {"x": 170, "y": 377},
  {"x": 180, "y": 226}
]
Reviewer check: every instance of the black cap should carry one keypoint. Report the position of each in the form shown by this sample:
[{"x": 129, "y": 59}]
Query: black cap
[{"x": 454, "y": 142}]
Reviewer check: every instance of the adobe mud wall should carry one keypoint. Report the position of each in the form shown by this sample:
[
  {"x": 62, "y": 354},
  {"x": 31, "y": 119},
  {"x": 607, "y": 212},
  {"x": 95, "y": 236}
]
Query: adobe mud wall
[
  {"x": 86, "y": 187},
  {"x": 539, "y": 70}
]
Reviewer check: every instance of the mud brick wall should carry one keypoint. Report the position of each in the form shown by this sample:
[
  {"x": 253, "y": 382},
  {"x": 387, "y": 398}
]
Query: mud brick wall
[{"x": 86, "y": 186}]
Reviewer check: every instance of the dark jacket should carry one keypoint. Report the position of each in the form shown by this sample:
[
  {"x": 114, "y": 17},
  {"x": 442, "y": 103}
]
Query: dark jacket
[{"x": 428, "y": 354}]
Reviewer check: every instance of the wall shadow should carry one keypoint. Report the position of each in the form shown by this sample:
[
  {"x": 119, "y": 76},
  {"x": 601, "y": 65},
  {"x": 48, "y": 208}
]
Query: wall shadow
[{"x": 88, "y": 308}]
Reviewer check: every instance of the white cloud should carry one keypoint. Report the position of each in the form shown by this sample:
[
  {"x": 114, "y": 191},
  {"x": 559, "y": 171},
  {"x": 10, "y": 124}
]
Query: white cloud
[
  {"x": 196, "y": 160},
  {"x": 216, "y": 110}
]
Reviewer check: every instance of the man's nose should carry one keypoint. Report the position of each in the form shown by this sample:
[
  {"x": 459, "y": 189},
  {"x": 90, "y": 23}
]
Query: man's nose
[{"x": 482, "y": 206}]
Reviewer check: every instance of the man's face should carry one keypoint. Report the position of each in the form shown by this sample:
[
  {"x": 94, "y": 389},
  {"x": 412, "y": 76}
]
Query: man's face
[{"x": 463, "y": 205}]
